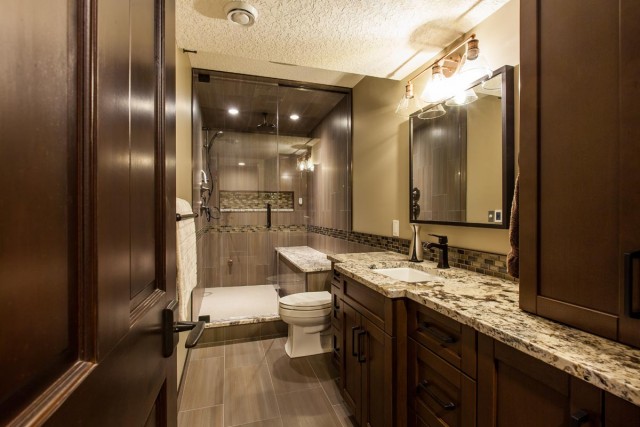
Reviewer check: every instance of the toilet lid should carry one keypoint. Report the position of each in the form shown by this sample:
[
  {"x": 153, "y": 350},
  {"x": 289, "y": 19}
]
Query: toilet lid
[{"x": 306, "y": 300}]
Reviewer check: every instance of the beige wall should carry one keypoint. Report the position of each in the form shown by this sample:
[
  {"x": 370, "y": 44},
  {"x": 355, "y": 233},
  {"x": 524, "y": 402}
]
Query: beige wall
[
  {"x": 183, "y": 126},
  {"x": 183, "y": 157},
  {"x": 381, "y": 145}
]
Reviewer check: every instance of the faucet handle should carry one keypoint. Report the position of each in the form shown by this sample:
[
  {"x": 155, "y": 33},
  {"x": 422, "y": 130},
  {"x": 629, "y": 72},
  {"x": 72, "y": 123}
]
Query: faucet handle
[{"x": 443, "y": 240}]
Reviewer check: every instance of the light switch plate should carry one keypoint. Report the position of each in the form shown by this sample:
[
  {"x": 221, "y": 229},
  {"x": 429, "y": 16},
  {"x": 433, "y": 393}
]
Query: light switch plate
[
  {"x": 395, "y": 224},
  {"x": 491, "y": 216},
  {"x": 300, "y": 201},
  {"x": 498, "y": 216}
]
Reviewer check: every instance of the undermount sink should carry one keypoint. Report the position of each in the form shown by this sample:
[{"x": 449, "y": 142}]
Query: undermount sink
[{"x": 406, "y": 274}]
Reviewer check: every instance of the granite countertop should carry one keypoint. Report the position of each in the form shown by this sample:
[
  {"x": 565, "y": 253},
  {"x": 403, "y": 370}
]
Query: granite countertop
[
  {"x": 307, "y": 259},
  {"x": 368, "y": 257},
  {"x": 490, "y": 306}
]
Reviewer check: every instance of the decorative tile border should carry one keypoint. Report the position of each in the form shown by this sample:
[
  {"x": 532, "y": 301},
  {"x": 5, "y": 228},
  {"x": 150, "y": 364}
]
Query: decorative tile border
[
  {"x": 255, "y": 200},
  {"x": 481, "y": 262},
  {"x": 253, "y": 228}
]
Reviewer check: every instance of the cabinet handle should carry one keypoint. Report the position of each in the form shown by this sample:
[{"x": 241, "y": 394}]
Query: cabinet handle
[
  {"x": 436, "y": 333},
  {"x": 425, "y": 385},
  {"x": 353, "y": 341},
  {"x": 336, "y": 306},
  {"x": 578, "y": 418},
  {"x": 361, "y": 357},
  {"x": 628, "y": 283}
]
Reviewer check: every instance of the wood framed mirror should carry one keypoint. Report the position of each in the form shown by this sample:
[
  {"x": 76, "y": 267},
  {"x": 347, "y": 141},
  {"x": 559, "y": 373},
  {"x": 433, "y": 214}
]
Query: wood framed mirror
[{"x": 462, "y": 161}]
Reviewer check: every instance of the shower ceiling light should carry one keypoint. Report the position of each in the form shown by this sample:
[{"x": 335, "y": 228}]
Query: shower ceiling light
[
  {"x": 241, "y": 163},
  {"x": 233, "y": 111},
  {"x": 241, "y": 13},
  {"x": 294, "y": 117}
]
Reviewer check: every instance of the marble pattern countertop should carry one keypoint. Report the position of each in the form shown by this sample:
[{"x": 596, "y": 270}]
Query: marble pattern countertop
[
  {"x": 307, "y": 259},
  {"x": 242, "y": 320},
  {"x": 368, "y": 257},
  {"x": 490, "y": 306}
]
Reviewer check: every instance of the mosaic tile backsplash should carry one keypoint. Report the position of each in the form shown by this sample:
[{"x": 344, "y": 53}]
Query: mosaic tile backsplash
[
  {"x": 480, "y": 262},
  {"x": 242, "y": 201}
]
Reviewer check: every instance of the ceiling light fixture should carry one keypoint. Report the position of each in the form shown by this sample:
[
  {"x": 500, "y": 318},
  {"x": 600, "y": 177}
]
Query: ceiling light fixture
[
  {"x": 233, "y": 111},
  {"x": 241, "y": 163},
  {"x": 451, "y": 76},
  {"x": 294, "y": 117},
  {"x": 241, "y": 13}
]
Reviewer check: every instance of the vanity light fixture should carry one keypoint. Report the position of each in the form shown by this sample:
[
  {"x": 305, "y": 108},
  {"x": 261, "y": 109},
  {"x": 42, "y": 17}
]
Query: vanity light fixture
[
  {"x": 233, "y": 111},
  {"x": 304, "y": 163},
  {"x": 432, "y": 113},
  {"x": 451, "y": 76}
]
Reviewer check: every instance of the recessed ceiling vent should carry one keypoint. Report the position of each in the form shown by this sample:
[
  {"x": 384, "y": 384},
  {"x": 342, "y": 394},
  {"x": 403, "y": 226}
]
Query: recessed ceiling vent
[{"x": 241, "y": 13}]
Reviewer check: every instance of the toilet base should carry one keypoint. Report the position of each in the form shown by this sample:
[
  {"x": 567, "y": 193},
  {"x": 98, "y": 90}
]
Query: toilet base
[{"x": 307, "y": 341}]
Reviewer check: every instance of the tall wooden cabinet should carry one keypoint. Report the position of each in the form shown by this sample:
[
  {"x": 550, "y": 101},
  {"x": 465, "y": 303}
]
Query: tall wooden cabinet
[{"x": 579, "y": 164}]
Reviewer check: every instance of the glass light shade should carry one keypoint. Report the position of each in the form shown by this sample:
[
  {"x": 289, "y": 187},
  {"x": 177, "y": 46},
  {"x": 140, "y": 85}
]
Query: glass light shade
[
  {"x": 408, "y": 104},
  {"x": 437, "y": 90},
  {"x": 432, "y": 113},
  {"x": 472, "y": 70},
  {"x": 462, "y": 98}
]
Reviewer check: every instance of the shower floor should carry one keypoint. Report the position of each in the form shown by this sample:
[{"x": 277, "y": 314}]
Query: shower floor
[{"x": 240, "y": 302}]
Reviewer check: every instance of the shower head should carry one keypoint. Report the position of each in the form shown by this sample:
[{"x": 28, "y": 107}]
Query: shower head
[
  {"x": 266, "y": 125},
  {"x": 209, "y": 143}
]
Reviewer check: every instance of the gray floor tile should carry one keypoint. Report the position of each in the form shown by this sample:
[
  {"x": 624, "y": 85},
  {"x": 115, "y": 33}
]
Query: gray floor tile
[
  {"x": 207, "y": 352},
  {"x": 344, "y": 415},
  {"x": 309, "y": 408},
  {"x": 206, "y": 417},
  {"x": 204, "y": 384},
  {"x": 289, "y": 374},
  {"x": 248, "y": 395},
  {"x": 243, "y": 354},
  {"x": 328, "y": 375},
  {"x": 276, "y": 422}
]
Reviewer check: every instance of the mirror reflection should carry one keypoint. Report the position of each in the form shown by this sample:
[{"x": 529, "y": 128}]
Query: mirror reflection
[{"x": 462, "y": 157}]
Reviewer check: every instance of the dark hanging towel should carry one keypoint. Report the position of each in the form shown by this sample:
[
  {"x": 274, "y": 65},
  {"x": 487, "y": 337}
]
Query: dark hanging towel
[{"x": 513, "y": 258}]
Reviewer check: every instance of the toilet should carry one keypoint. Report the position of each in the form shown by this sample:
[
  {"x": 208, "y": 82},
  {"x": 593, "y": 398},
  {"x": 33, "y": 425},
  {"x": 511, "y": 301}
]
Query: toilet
[{"x": 308, "y": 315}]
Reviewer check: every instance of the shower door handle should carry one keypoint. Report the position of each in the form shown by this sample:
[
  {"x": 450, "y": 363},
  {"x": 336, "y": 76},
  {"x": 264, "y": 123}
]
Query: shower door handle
[{"x": 170, "y": 329}]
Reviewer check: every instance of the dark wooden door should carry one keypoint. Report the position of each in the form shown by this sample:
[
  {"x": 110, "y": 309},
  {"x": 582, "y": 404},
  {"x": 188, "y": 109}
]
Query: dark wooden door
[
  {"x": 88, "y": 227},
  {"x": 580, "y": 149},
  {"x": 515, "y": 389},
  {"x": 377, "y": 376},
  {"x": 351, "y": 368}
]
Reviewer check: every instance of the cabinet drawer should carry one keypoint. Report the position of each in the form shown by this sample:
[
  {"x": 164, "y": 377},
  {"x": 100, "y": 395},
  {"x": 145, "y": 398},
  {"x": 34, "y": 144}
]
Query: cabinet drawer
[
  {"x": 336, "y": 279},
  {"x": 452, "y": 341},
  {"x": 368, "y": 302},
  {"x": 439, "y": 393}
]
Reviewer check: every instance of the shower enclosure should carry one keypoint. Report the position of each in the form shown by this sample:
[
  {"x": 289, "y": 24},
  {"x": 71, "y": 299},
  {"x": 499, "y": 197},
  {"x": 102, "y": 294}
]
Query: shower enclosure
[{"x": 269, "y": 160}]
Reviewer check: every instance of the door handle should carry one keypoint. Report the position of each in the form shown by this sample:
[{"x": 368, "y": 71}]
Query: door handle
[
  {"x": 436, "y": 333},
  {"x": 353, "y": 341},
  {"x": 426, "y": 386},
  {"x": 361, "y": 357},
  {"x": 629, "y": 258},
  {"x": 170, "y": 329}
]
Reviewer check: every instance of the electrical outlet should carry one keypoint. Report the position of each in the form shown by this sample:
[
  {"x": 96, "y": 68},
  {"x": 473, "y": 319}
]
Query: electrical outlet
[
  {"x": 300, "y": 201},
  {"x": 498, "y": 216},
  {"x": 395, "y": 225},
  {"x": 491, "y": 216}
]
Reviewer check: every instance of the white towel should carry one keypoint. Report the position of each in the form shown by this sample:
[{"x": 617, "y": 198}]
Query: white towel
[{"x": 186, "y": 258}]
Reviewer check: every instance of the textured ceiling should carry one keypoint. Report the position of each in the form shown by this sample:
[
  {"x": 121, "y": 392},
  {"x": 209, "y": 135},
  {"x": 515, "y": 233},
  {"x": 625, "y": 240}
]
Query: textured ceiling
[{"x": 335, "y": 41}]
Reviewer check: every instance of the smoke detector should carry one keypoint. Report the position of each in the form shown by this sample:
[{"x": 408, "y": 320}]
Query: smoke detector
[{"x": 241, "y": 13}]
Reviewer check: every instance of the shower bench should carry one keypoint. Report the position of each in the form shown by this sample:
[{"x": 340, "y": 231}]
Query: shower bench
[{"x": 302, "y": 269}]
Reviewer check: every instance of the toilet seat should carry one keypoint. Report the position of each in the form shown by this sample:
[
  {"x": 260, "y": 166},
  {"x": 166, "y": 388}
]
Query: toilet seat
[{"x": 306, "y": 301}]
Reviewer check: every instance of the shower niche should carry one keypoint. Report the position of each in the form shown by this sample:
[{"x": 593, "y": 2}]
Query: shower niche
[{"x": 261, "y": 142}]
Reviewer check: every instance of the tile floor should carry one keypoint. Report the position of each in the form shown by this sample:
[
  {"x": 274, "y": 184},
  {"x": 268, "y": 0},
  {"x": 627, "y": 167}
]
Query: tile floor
[{"x": 255, "y": 384}]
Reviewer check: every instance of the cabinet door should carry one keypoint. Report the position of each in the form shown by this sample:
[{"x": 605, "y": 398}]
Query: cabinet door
[
  {"x": 377, "y": 376},
  {"x": 515, "y": 389},
  {"x": 351, "y": 368},
  {"x": 620, "y": 413},
  {"x": 580, "y": 149}
]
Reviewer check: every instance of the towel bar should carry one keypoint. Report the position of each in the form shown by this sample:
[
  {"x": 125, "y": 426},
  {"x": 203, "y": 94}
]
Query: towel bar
[{"x": 180, "y": 217}]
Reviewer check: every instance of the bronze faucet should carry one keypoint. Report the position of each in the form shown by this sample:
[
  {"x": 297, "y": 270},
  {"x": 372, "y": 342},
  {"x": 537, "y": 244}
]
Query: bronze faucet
[{"x": 443, "y": 256}]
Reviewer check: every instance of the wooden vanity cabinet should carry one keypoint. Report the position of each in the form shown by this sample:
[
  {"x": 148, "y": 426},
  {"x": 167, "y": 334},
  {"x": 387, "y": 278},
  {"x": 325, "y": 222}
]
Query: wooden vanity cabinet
[
  {"x": 579, "y": 157},
  {"x": 441, "y": 357},
  {"x": 515, "y": 389},
  {"x": 372, "y": 372}
]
